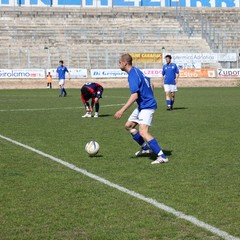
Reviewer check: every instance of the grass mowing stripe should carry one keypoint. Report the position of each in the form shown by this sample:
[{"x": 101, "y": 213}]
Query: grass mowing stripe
[
  {"x": 47, "y": 109},
  {"x": 151, "y": 201}
]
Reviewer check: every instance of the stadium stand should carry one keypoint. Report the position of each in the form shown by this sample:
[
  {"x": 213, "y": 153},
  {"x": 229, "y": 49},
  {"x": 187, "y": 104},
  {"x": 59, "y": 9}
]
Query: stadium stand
[
  {"x": 219, "y": 26},
  {"x": 93, "y": 38}
]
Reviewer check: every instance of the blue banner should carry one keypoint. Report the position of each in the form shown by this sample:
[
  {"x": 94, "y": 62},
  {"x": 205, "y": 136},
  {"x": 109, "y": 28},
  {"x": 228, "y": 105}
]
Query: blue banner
[{"x": 119, "y": 3}]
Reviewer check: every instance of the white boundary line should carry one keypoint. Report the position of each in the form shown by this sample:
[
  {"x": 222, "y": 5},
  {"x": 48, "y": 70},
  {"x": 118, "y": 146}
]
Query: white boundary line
[
  {"x": 47, "y": 109},
  {"x": 151, "y": 201}
]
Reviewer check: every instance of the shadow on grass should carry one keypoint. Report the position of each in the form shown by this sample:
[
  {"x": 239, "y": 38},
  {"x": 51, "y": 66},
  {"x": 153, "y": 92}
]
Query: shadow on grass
[
  {"x": 168, "y": 152},
  {"x": 153, "y": 156},
  {"x": 105, "y": 115},
  {"x": 179, "y": 108},
  {"x": 96, "y": 156}
]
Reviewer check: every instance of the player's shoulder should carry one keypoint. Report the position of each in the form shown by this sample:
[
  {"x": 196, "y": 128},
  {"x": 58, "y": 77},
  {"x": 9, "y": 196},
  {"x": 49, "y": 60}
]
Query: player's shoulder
[
  {"x": 135, "y": 71},
  {"x": 98, "y": 85}
]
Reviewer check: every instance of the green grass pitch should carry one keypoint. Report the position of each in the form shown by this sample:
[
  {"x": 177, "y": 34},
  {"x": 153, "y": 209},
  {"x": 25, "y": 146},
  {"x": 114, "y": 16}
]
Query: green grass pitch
[{"x": 41, "y": 199}]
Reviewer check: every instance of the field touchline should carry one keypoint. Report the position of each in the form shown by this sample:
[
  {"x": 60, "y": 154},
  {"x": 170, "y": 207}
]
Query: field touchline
[
  {"x": 151, "y": 201},
  {"x": 48, "y": 109}
]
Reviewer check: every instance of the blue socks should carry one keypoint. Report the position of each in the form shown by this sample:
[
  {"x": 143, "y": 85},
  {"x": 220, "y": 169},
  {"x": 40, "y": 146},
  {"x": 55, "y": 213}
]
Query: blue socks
[
  {"x": 153, "y": 144},
  {"x": 168, "y": 102},
  {"x": 62, "y": 90},
  {"x": 138, "y": 138}
]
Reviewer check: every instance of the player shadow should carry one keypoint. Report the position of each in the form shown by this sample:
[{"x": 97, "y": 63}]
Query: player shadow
[
  {"x": 104, "y": 115},
  {"x": 168, "y": 152},
  {"x": 96, "y": 156},
  {"x": 179, "y": 108},
  {"x": 153, "y": 156}
]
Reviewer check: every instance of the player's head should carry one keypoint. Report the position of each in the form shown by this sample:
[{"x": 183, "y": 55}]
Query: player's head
[
  {"x": 168, "y": 58},
  {"x": 61, "y": 62},
  {"x": 125, "y": 62},
  {"x": 86, "y": 93}
]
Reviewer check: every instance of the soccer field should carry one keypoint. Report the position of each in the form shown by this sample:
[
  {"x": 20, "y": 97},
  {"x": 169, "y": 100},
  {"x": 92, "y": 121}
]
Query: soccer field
[{"x": 43, "y": 199}]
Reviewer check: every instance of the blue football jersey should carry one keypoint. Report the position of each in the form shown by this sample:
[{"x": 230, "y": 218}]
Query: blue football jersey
[
  {"x": 61, "y": 70},
  {"x": 139, "y": 83},
  {"x": 169, "y": 72}
]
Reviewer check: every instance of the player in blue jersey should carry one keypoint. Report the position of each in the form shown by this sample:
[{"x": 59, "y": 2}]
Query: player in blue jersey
[
  {"x": 142, "y": 93},
  {"x": 94, "y": 92},
  {"x": 61, "y": 70},
  {"x": 170, "y": 74}
]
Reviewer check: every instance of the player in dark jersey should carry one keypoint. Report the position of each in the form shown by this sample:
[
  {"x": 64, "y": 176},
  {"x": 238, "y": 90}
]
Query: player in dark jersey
[{"x": 94, "y": 92}]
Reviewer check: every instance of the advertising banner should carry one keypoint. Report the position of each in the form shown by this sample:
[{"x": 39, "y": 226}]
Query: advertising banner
[
  {"x": 121, "y": 3},
  {"x": 198, "y": 73},
  {"x": 227, "y": 57},
  {"x": 189, "y": 65},
  {"x": 154, "y": 73},
  {"x": 194, "y": 58},
  {"x": 147, "y": 57},
  {"x": 227, "y": 72},
  {"x": 108, "y": 73},
  {"x": 22, "y": 73},
  {"x": 74, "y": 72},
  {"x": 118, "y": 73}
]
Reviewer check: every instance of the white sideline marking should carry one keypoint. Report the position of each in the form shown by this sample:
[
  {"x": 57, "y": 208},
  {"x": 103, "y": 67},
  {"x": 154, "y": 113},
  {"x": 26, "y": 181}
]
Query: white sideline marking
[
  {"x": 151, "y": 201},
  {"x": 47, "y": 109}
]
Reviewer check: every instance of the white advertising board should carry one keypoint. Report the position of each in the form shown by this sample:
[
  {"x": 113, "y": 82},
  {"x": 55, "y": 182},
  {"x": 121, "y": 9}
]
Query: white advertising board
[
  {"x": 22, "y": 73},
  {"x": 228, "y": 72},
  {"x": 194, "y": 58},
  {"x": 197, "y": 65},
  {"x": 108, "y": 73},
  {"x": 74, "y": 72},
  {"x": 118, "y": 73}
]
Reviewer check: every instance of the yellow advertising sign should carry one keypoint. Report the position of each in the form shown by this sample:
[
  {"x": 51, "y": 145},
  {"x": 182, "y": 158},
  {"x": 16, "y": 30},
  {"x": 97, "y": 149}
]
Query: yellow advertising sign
[{"x": 147, "y": 57}]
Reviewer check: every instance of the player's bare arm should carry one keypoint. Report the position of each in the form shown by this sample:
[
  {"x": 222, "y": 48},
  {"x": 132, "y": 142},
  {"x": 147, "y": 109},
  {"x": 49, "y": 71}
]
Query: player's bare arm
[
  {"x": 152, "y": 86},
  {"x": 162, "y": 81},
  {"x": 128, "y": 104},
  {"x": 177, "y": 76}
]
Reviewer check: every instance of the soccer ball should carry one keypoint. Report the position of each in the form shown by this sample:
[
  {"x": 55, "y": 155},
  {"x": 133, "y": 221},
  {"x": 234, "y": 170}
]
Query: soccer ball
[{"x": 92, "y": 148}]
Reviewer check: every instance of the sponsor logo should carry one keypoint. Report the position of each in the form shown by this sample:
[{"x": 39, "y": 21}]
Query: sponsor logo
[
  {"x": 228, "y": 72},
  {"x": 12, "y": 73},
  {"x": 22, "y": 73}
]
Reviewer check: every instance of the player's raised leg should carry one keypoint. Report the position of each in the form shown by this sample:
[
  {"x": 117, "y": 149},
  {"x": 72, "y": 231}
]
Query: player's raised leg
[{"x": 130, "y": 126}]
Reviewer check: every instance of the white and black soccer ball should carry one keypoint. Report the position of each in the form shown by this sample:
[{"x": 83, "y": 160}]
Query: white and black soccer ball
[{"x": 92, "y": 148}]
